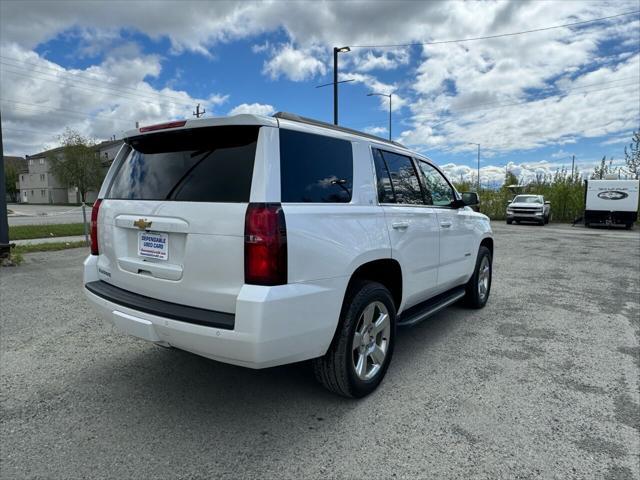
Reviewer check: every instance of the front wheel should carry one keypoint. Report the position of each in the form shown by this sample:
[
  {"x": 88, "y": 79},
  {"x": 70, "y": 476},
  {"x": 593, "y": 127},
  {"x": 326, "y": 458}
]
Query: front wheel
[
  {"x": 359, "y": 355},
  {"x": 509, "y": 222},
  {"x": 479, "y": 285}
]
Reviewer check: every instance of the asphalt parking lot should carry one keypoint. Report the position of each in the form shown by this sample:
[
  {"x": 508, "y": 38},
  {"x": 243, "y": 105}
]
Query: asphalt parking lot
[
  {"x": 33, "y": 214},
  {"x": 542, "y": 383}
]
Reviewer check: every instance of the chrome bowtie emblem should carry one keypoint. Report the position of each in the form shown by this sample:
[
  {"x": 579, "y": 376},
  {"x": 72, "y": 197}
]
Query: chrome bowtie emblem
[{"x": 142, "y": 224}]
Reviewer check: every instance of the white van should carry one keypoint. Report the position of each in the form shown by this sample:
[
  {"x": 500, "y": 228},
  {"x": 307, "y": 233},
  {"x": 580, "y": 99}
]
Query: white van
[{"x": 260, "y": 241}]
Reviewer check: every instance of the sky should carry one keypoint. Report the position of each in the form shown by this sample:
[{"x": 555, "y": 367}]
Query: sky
[{"x": 532, "y": 101}]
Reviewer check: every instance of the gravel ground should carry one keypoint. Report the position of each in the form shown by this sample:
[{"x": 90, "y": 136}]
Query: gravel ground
[{"x": 542, "y": 383}]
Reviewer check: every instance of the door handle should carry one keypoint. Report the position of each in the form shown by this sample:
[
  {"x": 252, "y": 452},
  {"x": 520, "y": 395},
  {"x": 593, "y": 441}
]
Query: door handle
[
  {"x": 400, "y": 225},
  {"x": 445, "y": 224}
]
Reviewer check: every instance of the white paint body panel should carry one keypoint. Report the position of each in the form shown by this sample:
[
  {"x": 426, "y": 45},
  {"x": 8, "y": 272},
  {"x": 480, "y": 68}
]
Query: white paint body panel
[
  {"x": 599, "y": 198},
  {"x": 326, "y": 243}
]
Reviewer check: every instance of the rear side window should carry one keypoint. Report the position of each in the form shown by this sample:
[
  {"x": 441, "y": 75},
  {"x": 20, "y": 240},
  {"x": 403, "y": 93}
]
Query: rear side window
[
  {"x": 403, "y": 178},
  {"x": 197, "y": 165},
  {"x": 315, "y": 168}
]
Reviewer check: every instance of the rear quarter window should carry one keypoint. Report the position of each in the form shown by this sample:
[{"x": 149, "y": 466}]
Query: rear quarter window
[
  {"x": 196, "y": 165},
  {"x": 315, "y": 168}
]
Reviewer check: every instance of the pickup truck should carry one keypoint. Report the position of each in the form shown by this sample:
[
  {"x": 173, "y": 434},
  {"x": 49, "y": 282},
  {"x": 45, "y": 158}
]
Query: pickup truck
[{"x": 529, "y": 208}]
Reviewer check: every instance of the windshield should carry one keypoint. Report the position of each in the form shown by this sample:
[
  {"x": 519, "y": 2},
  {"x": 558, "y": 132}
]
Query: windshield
[
  {"x": 197, "y": 165},
  {"x": 527, "y": 199}
]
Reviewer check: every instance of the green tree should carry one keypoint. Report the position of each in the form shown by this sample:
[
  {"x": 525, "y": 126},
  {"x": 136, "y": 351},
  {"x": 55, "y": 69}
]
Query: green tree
[
  {"x": 11, "y": 178},
  {"x": 632, "y": 156},
  {"x": 510, "y": 179},
  {"x": 79, "y": 164}
]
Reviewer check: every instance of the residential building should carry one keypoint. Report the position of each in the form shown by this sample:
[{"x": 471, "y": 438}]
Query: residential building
[{"x": 38, "y": 184}]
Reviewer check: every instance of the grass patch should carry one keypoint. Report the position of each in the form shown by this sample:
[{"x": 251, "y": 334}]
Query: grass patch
[
  {"x": 25, "y": 232},
  {"x": 46, "y": 247}
]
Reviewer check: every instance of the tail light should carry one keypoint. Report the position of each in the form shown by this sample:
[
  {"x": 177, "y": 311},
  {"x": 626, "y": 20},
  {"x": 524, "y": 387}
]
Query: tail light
[
  {"x": 94, "y": 227},
  {"x": 265, "y": 245}
]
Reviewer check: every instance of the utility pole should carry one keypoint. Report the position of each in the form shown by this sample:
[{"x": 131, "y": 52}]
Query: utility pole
[
  {"x": 5, "y": 248},
  {"x": 199, "y": 113},
  {"x": 573, "y": 162}
]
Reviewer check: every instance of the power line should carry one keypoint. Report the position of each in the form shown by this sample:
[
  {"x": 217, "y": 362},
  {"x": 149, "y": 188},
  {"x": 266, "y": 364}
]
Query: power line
[
  {"x": 564, "y": 94},
  {"x": 472, "y": 107},
  {"x": 488, "y": 37},
  {"x": 106, "y": 90},
  {"x": 76, "y": 76},
  {"x": 75, "y": 112}
]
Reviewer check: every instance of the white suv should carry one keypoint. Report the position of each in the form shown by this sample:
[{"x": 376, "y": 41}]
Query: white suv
[{"x": 261, "y": 241}]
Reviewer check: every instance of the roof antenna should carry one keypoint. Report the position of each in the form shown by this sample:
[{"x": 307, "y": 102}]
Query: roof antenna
[{"x": 199, "y": 113}]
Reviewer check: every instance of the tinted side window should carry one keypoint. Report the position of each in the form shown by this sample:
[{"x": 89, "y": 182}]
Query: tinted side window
[
  {"x": 404, "y": 180},
  {"x": 385, "y": 189},
  {"x": 196, "y": 165},
  {"x": 315, "y": 168},
  {"x": 438, "y": 190}
]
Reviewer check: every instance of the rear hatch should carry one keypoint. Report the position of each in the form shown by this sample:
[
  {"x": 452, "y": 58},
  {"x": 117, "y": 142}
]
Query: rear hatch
[{"x": 171, "y": 224}]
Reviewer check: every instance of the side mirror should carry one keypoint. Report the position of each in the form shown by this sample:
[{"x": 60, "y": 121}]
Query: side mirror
[
  {"x": 547, "y": 202},
  {"x": 470, "y": 199}
]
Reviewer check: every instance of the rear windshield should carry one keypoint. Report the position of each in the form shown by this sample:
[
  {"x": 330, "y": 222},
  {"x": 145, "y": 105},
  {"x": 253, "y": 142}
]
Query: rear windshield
[{"x": 197, "y": 165}]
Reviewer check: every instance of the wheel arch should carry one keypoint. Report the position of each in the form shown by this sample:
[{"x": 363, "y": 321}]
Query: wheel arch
[
  {"x": 487, "y": 242},
  {"x": 386, "y": 271}
]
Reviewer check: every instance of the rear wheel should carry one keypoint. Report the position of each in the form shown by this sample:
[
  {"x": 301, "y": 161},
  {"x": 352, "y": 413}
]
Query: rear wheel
[
  {"x": 359, "y": 356},
  {"x": 479, "y": 285}
]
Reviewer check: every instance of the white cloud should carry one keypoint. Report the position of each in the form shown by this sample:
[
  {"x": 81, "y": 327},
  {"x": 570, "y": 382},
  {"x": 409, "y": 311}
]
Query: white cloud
[
  {"x": 296, "y": 65},
  {"x": 494, "y": 175},
  {"x": 376, "y": 86},
  {"x": 254, "y": 108},
  {"x": 365, "y": 61},
  {"x": 443, "y": 91},
  {"x": 376, "y": 130},
  {"x": 40, "y": 99}
]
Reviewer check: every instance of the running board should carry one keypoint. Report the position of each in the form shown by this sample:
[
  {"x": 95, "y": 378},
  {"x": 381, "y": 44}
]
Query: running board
[{"x": 424, "y": 310}]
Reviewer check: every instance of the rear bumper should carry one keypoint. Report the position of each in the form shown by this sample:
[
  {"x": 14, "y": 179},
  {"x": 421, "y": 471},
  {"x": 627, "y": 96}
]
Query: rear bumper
[{"x": 272, "y": 325}]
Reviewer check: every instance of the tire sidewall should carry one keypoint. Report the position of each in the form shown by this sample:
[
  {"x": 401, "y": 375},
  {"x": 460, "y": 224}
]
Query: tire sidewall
[
  {"x": 472, "y": 289},
  {"x": 369, "y": 292}
]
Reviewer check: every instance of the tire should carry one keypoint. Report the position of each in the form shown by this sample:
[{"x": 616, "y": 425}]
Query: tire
[
  {"x": 518, "y": 222},
  {"x": 338, "y": 369},
  {"x": 628, "y": 226},
  {"x": 542, "y": 223},
  {"x": 547, "y": 219},
  {"x": 474, "y": 298},
  {"x": 509, "y": 222}
]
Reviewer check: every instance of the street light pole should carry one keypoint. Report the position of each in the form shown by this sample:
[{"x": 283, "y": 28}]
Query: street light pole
[
  {"x": 389, "y": 97},
  {"x": 336, "y": 51}
]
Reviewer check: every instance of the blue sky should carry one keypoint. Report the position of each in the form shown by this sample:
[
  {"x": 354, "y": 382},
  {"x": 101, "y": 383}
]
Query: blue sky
[{"x": 531, "y": 100}]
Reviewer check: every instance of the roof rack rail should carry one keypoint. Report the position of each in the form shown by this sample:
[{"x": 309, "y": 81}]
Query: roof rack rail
[{"x": 310, "y": 121}]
